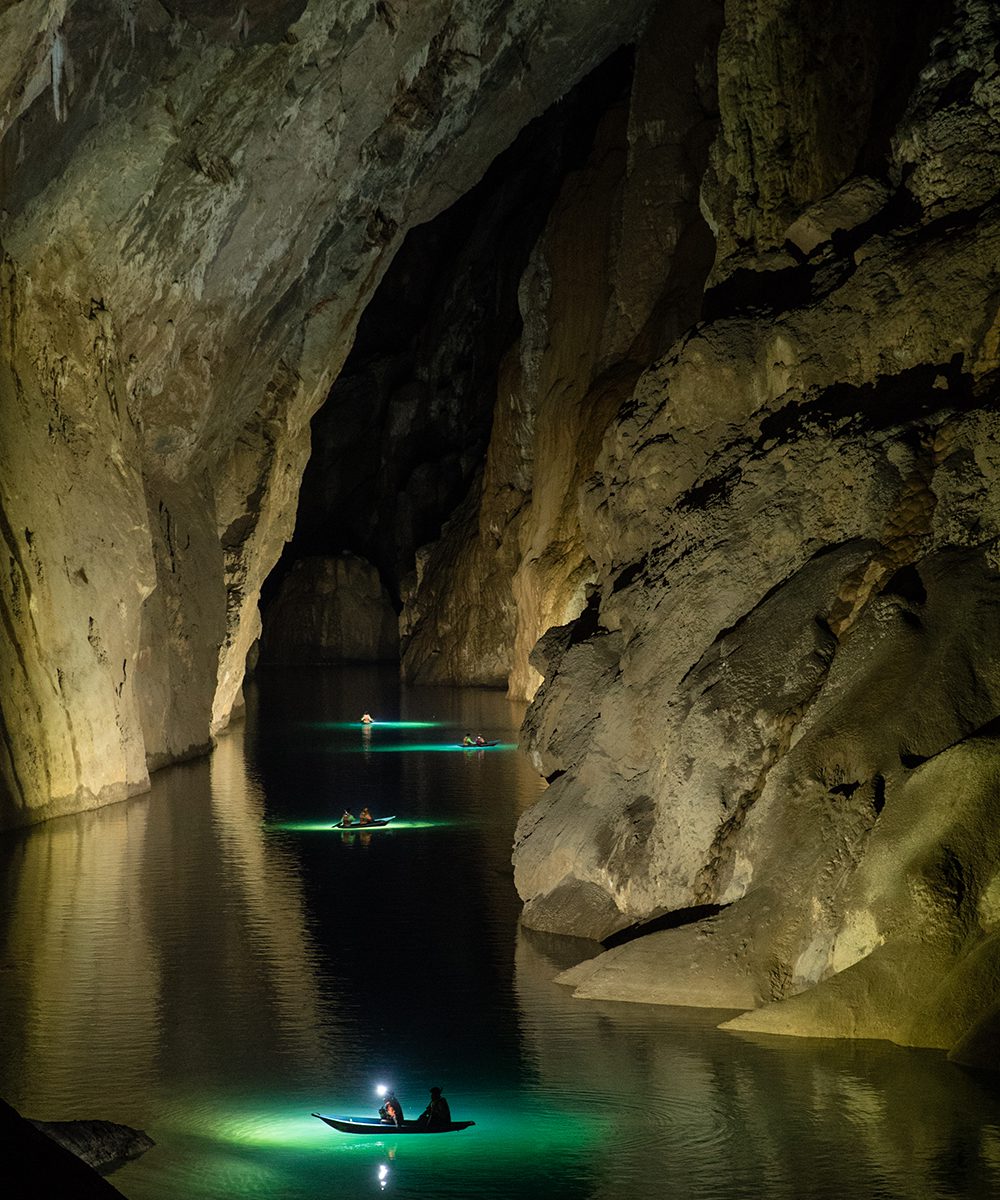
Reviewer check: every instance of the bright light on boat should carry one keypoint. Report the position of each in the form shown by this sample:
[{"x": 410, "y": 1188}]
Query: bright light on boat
[{"x": 381, "y": 1089}]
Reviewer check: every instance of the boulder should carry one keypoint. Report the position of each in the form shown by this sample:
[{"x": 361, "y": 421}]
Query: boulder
[
  {"x": 37, "y": 1166},
  {"x": 102, "y": 1145},
  {"x": 854, "y": 204}
]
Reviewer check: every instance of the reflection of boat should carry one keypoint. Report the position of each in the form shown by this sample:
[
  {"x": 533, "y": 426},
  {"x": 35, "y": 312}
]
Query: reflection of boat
[
  {"x": 478, "y": 745},
  {"x": 376, "y": 824},
  {"x": 370, "y": 1125}
]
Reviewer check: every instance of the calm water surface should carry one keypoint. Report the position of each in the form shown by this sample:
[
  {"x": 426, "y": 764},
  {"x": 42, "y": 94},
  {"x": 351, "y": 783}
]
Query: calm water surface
[{"x": 213, "y": 963}]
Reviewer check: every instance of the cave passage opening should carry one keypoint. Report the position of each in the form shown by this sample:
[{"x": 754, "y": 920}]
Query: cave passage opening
[{"x": 401, "y": 441}]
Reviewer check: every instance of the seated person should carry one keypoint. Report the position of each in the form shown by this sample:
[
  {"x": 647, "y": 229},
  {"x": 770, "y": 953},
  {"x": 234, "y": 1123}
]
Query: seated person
[
  {"x": 365, "y": 817},
  {"x": 391, "y": 1110},
  {"x": 480, "y": 740},
  {"x": 437, "y": 1114},
  {"x": 467, "y": 741},
  {"x": 347, "y": 818},
  {"x": 366, "y": 719}
]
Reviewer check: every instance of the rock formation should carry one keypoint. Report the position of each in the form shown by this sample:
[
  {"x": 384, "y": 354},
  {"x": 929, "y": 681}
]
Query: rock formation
[
  {"x": 195, "y": 211},
  {"x": 38, "y": 1166},
  {"x": 102, "y": 1145},
  {"x": 782, "y": 700},
  {"x": 741, "y": 479},
  {"x": 331, "y": 610},
  {"x": 615, "y": 276}
]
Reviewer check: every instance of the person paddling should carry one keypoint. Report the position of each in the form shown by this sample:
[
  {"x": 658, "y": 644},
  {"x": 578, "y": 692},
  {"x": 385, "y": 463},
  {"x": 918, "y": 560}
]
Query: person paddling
[{"x": 347, "y": 818}]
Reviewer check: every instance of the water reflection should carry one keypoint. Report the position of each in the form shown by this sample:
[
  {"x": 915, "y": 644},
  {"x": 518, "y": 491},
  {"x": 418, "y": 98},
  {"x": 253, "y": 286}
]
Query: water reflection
[
  {"x": 215, "y": 962},
  {"x": 712, "y": 1114},
  {"x": 164, "y": 929},
  {"x": 80, "y": 954}
]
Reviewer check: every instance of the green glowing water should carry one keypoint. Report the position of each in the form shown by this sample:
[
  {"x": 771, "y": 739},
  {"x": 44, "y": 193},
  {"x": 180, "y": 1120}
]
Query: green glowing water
[
  {"x": 339, "y": 830},
  {"x": 373, "y": 725},
  {"x": 419, "y": 746},
  {"x": 213, "y": 962}
]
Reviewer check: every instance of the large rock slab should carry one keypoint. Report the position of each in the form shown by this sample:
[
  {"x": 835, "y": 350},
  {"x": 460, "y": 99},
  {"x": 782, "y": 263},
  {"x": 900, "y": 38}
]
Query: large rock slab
[
  {"x": 102, "y": 1145},
  {"x": 38, "y": 1166}
]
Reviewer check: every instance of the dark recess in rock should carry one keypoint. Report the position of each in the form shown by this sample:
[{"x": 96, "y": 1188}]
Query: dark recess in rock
[
  {"x": 845, "y": 789},
  {"x": 878, "y": 799},
  {"x": 889, "y": 401},
  {"x": 406, "y": 425},
  {"x": 670, "y": 920},
  {"x": 907, "y": 30},
  {"x": 907, "y": 584}
]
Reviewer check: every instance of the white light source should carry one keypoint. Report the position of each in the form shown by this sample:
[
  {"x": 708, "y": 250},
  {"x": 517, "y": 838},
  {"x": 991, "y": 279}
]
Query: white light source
[{"x": 381, "y": 1089}]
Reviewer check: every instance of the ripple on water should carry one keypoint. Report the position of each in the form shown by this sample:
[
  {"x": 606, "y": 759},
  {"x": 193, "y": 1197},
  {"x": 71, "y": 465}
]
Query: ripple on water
[{"x": 658, "y": 1119}]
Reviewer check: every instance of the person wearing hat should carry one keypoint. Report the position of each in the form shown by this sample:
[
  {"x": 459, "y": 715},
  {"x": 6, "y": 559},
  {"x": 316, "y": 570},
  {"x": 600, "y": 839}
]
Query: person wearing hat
[{"x": 437, "y": 1114}]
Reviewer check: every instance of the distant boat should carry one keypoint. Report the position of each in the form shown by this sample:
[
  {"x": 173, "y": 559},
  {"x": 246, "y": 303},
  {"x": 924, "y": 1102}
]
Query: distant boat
[
  {"x": 376, "y": 824},
  {"x": 372, "y": 1125},
  {"x": 476, "y": 745}
]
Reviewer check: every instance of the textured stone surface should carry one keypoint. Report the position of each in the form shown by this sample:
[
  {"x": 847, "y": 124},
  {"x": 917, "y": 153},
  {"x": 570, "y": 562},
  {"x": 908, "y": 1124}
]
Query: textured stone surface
[
  {"x": 782, "y": 699},
  {"x": 38, "y": 1166},
  {"x": 616, "y": 275},
  {"x": 331, "y": 610},
  {"x": 193, "y": 219},
  {"x": 102, "y": 1145},
  {"x": 804, "y": 104}
]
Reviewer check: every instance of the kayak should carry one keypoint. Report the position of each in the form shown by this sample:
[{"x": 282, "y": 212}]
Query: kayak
[
  {"x": 477, "y": 745},
  {"x": 377, "y": 824},
  {"x": 370, "y": 1125}
]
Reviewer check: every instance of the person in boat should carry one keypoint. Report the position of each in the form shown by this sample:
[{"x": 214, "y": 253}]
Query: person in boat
[
  {"x": 468, "y": 741},
  {"x": 391, "y": 1110},
  {"x": 480, "y": 740},
  {"x": 437, "y": 1114},
  {"x": 347, "y": 818},
  {"x": 365, "y": 817},
  {"x": 366, "y": 719}
]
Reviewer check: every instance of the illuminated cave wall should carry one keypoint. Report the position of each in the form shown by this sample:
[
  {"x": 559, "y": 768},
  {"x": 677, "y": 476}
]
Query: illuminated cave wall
[
  {"x": 743, "y": 450},
  {"x": 782, "y": 700},
  {"x": 399, "y": 443},
  {"x": 195, "y": 211}
]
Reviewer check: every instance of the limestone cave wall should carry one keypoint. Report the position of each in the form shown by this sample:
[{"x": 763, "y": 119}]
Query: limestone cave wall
[
  {"x": 781, "y": 703},
  {"x": 737, "y": 466},
  {"x": 616, "y": 274},
  {"x": 198, "y": 202}
]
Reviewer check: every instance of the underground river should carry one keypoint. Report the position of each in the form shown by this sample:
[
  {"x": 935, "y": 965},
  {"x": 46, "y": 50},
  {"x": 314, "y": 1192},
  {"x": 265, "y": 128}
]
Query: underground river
[{"x": 212, "y": 962}]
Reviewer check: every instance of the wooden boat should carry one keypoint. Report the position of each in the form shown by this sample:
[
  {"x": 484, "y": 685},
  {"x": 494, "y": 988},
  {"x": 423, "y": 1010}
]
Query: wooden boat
[
  {"x": 355, "y": 825},
  {"x": 372, "y": 1125}
]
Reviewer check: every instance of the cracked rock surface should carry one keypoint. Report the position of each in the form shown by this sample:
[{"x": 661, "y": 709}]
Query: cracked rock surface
[{"x": 782, "y": 700}]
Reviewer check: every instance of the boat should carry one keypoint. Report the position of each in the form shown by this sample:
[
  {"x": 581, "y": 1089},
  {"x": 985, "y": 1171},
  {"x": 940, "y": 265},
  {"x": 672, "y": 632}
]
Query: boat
[
  {"x": 372, "y": 1125},
  {"x": 378, "y": 823},
  {"x": 477, "y": 745}
]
